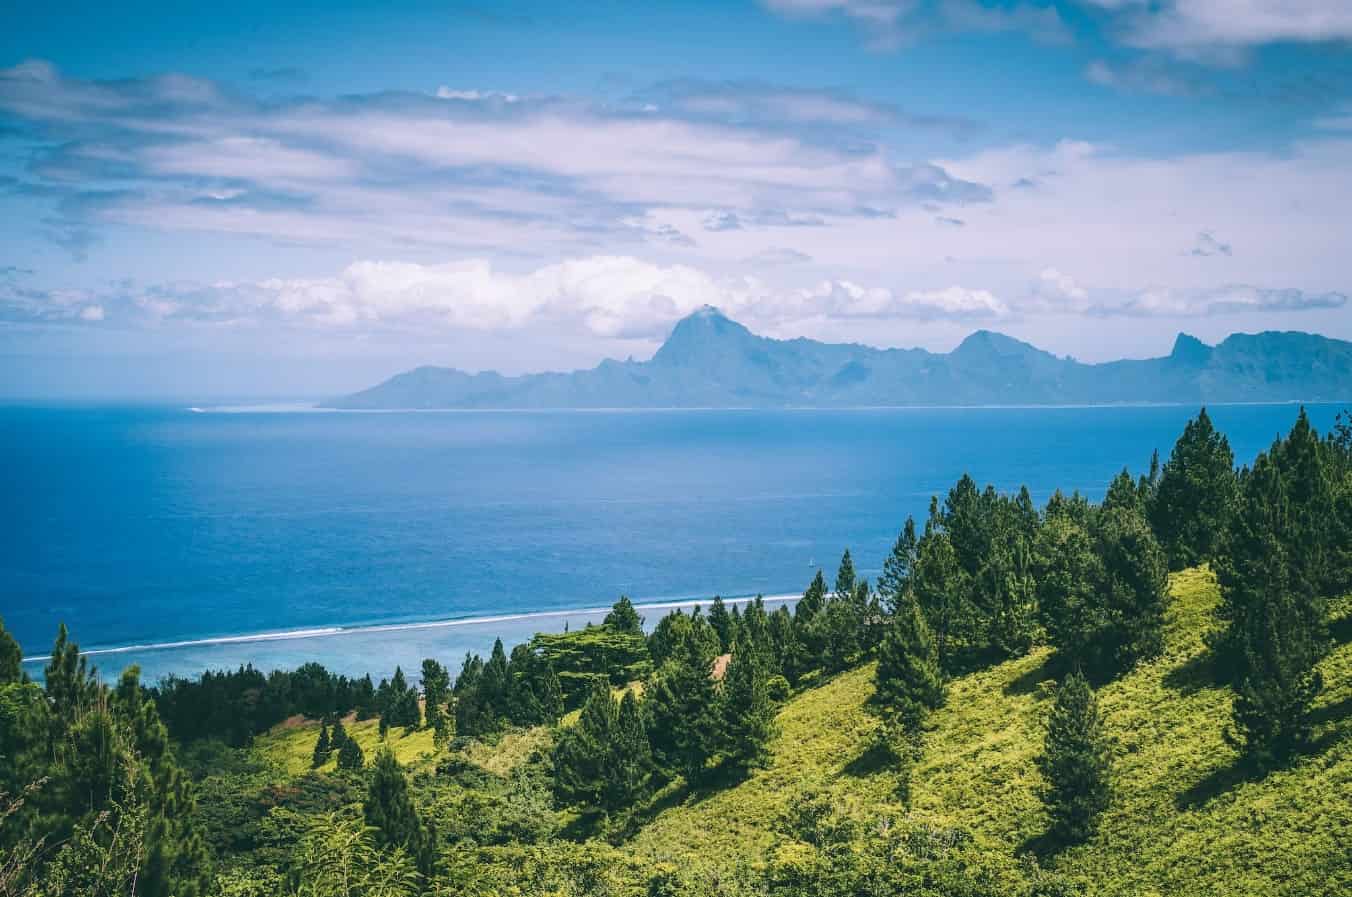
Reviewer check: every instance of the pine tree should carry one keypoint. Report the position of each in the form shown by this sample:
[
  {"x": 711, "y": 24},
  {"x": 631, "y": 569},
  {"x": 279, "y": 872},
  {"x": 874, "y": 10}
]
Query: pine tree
[
  {"x": 468, "y": 714},
  {"x": 1123, "y": 494},
  {"x": 11, "y": 657},
  {"x": 623, "y": 617},
  {"x": 338, "y": 737},
  {"x": 909, "y": 680},
  {"x": 685, "y": 721},
  {"x": 629, "y": 757},
  {"x": 755, "y": 633},
  {"x": 388, "y": 810},
  {"x": 899, "y": 568},
  {"x": 807, "y": 647},
  {"x": 582, "y": 753},
  {"x": 549, "y": 692},
  {"x": 1133, "y": 593},
  {"x": 784, "y": 644},
  {"x": 1272, "y": 613},
  {"x": 845, "y": 577},
  {"x": 747, "y": 711},
  {"x": 175, "y": 860},
  {"x": 494, "y": 687},
  {"x": 703, "y": 637},
  {"x": 322, "y": 748},
  {"x": 350, "y": 755},
  {"x": 667, "y": 636},
  {"x": 1068, "y": 574},
  {"x": 436, "y": 684},
  {"x": 941, "y": 590},
  {"x": 1076, "y": 763},
  {"x": 1008, "y": 581},
  {"x": 1195, "y": 494},
  {"x": 721, "y": 621}
]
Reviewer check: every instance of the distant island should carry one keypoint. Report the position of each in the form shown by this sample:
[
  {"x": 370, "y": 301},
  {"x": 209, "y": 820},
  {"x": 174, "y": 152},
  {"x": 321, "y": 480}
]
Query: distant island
[{"x": 711, "y": 361}]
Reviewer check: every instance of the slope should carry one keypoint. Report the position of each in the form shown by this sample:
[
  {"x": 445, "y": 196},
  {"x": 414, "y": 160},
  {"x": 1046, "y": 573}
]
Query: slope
[{"x": 1182, "y": 822}]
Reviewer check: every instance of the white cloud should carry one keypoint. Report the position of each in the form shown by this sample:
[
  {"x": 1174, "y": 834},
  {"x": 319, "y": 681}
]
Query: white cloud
[
  {"x": 91, "y": 313},
  {"x": 1246, "y": 22},
  {"x": 474, "y": 96},
  {"x": 1233, "y": 299},
  {"x": 466, "y": 170}
]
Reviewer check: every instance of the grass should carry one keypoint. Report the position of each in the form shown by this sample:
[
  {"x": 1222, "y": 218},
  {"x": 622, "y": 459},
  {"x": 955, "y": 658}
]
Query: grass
[
  {"x": 289, "y": 748},
  {"x": 1184, "y": 819}
]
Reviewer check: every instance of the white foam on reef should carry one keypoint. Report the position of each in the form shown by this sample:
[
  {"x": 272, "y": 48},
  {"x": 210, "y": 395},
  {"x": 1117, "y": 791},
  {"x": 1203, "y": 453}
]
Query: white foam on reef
[{"x": 328, "y": 631}]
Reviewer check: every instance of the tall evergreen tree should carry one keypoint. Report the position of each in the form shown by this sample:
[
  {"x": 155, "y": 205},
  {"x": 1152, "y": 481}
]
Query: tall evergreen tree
[
  {"x": 721, "y": 621},
  {"x": 175, "y": 860},
  {"x": 1195, "y": 494},
  {"x": 436, "y": 682},
  {"x": 1133, "y": 593},
  {"x": 322, "y": 748},
  {"x": 685, "y": 719},
  {"x": 388, "y": 809},
  {"x": 1068, "y": 573},
  {"x": 350, "y": 755},
  {"x": 909, "y": 680},
  {"x": 755, "y": 632},
  {"x": 747, "y": 711},
  {"x": 11, "y": 657},
  {"x": 1076, "y": 763},
  {"x": 624, "y": 617},
  {"x": 784, "y": 643},
  {"x": 667, "y": 636},
  {"x": 941, "y": 590},
  {"x": 899, "y": 568},
  {"x": 845, "y": 577},
  {"x": 338, "y": 737},
  {"x": 491, "y": 694},
  {"x": 1272, "y": 613},
  {"x": 629, "y": 757},
  {"x": 1123, "y": 494},
  {"x": 582, "y": 753}
]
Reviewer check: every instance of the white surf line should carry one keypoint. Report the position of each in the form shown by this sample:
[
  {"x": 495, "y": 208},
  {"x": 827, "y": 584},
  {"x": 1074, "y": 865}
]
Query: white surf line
[{"x": 327, "y": 631}]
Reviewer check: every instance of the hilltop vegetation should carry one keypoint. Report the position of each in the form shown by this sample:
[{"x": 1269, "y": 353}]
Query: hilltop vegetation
[{"x": 1151, "y": 695}]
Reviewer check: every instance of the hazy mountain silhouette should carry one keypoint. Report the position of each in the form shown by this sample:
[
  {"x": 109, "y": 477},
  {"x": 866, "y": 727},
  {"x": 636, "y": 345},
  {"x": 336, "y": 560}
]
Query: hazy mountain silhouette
[{"x": 710, "y": 360}]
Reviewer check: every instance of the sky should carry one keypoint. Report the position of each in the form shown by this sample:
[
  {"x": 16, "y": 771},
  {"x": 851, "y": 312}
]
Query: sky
[{"x": 296, "y": 200}]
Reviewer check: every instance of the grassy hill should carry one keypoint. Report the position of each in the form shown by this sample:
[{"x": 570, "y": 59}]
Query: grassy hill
[{"x": 1183, "y": 819}]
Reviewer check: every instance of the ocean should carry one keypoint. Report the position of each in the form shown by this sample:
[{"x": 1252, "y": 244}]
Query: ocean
[{"x": 183, "y": 539}]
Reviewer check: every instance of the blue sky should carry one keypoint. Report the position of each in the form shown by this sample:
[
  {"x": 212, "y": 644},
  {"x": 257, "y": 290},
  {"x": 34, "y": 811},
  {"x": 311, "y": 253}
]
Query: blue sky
[{"x": 271, "y": 201}]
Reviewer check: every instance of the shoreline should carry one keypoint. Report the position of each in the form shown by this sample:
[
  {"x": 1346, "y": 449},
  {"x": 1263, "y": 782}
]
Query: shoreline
[{"x": 318, "y": 632}]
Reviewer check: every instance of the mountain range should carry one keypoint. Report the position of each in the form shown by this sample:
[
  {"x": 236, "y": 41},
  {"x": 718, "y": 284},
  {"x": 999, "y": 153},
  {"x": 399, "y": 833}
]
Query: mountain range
[{"x": 711, "y": 361}]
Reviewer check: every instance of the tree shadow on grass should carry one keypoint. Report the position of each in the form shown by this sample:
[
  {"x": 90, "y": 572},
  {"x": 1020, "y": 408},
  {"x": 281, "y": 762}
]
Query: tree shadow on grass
[
  {"x": 1193, "y": 675},
  {"x": 1043, "y": 846},
  {"x": 1341, "y": 629},
  {"x": 1233, "y": 774},
  {"x": 1027, "y": 682},
  {"x": 1215, "y": 783},
  {"x": 875, "y": 758}
]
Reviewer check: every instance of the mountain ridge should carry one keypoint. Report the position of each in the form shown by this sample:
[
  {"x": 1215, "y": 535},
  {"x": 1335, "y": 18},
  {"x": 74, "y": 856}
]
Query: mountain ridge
[{"x": 710, "y": 360}]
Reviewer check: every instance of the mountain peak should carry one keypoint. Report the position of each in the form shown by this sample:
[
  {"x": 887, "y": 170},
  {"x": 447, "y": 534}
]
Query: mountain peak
[
  {"x": 699, "y": 334},
  {"x": 988, "y": 343},
  {"x": 1190, "y": 350}
]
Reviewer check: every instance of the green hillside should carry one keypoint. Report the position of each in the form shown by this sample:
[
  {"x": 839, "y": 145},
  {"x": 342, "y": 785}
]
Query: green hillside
[
  {"x": 1180, "y": 824},
  {"x": 1183, "y": 821}
]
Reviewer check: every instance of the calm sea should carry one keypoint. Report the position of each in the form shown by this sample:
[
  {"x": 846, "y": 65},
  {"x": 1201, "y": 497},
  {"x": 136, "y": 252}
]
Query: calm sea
[{"x": 144, "y": 526}]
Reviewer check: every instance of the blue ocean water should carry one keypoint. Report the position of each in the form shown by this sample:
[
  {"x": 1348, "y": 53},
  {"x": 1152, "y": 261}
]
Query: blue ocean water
[{"x": 147, "y": 525}]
